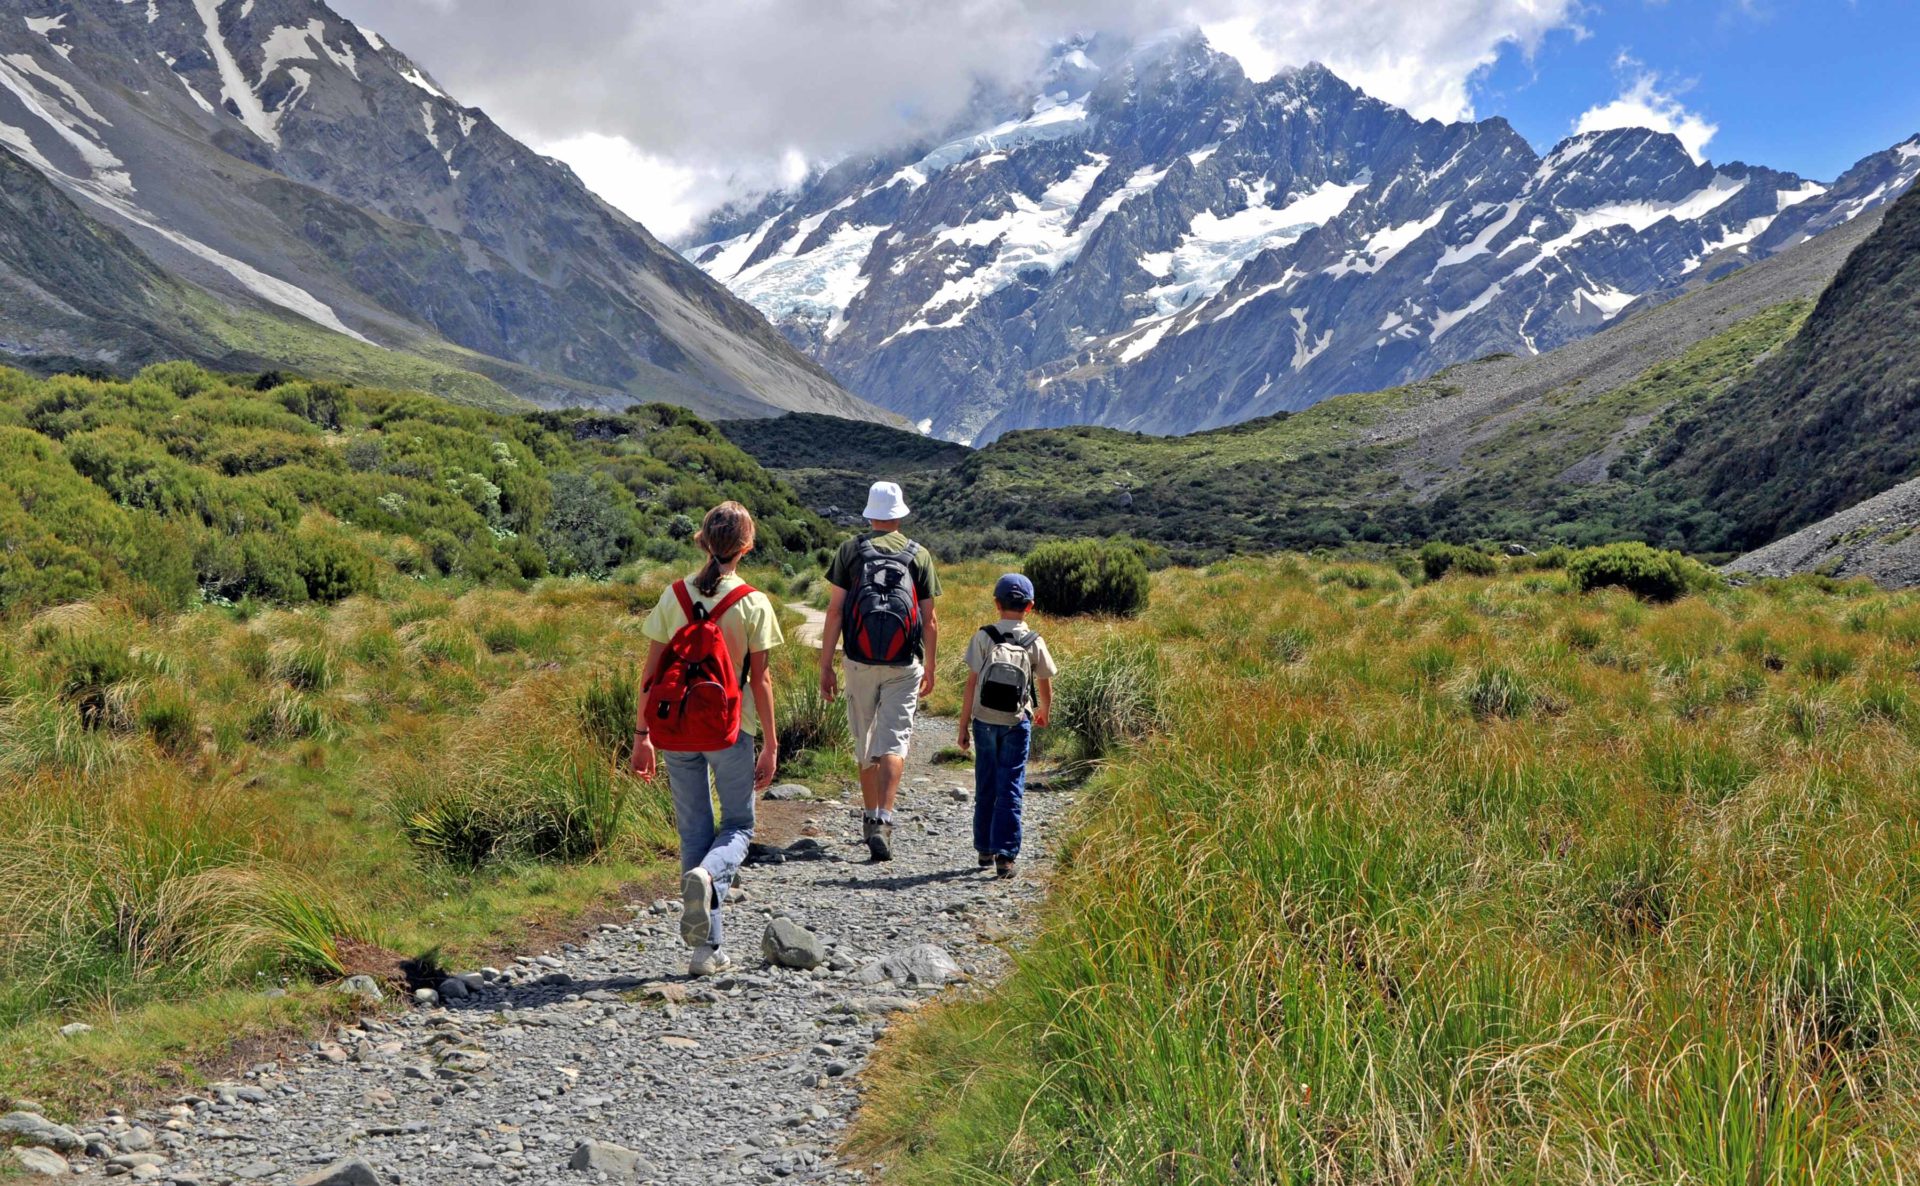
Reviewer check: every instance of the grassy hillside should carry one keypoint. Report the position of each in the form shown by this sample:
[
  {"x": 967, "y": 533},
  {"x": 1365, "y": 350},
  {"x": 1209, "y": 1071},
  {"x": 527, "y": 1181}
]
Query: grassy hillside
[
  {"x": 1835, "y": 419},
  {"x": 1571, "y": 467},
  {"x": 1476, "y": 881},
  {"x": 291, "y": 686},
  {"x": 179, "y": 487}
]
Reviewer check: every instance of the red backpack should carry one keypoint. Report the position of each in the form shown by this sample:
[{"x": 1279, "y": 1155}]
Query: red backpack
[{"x": 693, "y": 701}]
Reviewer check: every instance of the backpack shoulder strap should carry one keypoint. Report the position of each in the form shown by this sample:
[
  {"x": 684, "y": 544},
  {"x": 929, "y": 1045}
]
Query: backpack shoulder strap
[
  {"x": 686, "y": 600},
  {"x": 994, "y": 633},
  {"x": 909, "y": 552},
  {"x": 732, "y": 599},
  {"x": 1026, "y": 643}
]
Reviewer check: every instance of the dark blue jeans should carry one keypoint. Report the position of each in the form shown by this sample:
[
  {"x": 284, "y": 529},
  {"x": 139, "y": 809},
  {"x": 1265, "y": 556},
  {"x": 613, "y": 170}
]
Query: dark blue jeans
[{"x": 999, "y": 786}]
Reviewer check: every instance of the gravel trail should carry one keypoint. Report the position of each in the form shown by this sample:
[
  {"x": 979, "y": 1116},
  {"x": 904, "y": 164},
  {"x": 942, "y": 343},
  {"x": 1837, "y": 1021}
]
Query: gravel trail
[{"x": 751, "y": 1076}]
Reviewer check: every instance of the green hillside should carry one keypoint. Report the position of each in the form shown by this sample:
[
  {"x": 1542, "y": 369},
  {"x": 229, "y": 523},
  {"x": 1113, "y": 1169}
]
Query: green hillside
[
  {"x": 1575, "y": 466},
  {"x": 179, "y": 485},
  {"x": 1834, "y": 420}
]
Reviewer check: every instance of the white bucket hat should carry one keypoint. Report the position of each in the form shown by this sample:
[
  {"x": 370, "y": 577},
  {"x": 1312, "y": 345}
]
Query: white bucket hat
[{"x": 885, "y": 503}]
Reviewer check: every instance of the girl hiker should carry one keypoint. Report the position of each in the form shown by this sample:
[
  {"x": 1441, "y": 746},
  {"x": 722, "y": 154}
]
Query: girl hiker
[{"x": 707, "y": 692}]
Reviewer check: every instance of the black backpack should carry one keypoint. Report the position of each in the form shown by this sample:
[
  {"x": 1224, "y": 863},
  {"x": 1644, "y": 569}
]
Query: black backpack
[{"x": 881, "y": 622}]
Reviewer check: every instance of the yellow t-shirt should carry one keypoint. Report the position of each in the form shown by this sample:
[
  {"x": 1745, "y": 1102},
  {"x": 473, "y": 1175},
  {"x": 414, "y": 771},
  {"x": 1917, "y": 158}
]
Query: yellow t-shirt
[{"x": 751, "y": 627}]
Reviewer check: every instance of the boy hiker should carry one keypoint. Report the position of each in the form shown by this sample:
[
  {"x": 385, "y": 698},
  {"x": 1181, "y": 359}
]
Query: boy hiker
[
  {"x": 882, "y": 608},
  {"x": 1009, "y": 691}
]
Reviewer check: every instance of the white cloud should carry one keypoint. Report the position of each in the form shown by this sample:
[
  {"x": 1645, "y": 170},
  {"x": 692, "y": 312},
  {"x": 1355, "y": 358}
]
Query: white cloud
[
  {"x": 1420, "y": 56},
  {"x": 666, "y": 105},
  {"x": 1643, "y": 103},
  {"x": 665, "y": 195}
]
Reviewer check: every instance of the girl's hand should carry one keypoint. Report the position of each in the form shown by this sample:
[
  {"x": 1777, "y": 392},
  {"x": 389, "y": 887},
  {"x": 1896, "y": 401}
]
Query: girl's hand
[
  {"x": 767, "y": 766},
  {"x": 645, "y": 763}
]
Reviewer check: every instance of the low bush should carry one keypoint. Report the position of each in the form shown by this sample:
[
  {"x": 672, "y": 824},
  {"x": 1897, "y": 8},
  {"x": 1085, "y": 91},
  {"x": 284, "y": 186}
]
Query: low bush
[
  {"x": 1088, "y": 577},
  {"x": 1647, "y": 573},
  {"x": 536, "y": 801},
  {"x": 1107, "y": 700},
  {"x": 808, "y": 721},
  {"x": 1438, "y": 559}
]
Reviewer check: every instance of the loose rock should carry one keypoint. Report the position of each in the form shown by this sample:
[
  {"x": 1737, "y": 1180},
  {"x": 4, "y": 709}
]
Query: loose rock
[
  {"x": 791, "y": 945},
  {"x": 32, "y": 1129},
  {"x": 615, "y": 1161},
  {"x": 351, "y": 1171},
  {"x": 41, "y": 1161}
]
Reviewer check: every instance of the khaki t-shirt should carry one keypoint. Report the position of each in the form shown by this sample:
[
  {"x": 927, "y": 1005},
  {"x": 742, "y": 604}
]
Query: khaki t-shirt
[
  {"x": 980, "y": 652},
  {"x": 751, "y": 627},
  {"x": 845, "y": 569}
]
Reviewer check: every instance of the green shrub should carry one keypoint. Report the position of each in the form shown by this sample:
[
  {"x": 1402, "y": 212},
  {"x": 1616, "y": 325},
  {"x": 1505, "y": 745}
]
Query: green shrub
[
  {"x": 1647, "y": 573},
  {"x": 608, "y": 709},
  {"x": 1088, "y": 577},
  {"x": 1438, "y": 559},
  {"x": 1496, "y": 692},
  {"x": 808, "y": 721},
  {"x": 331, "y": 566},
  {"x": 1109, "y": 700},
  {"x": 537, "y": 804}
]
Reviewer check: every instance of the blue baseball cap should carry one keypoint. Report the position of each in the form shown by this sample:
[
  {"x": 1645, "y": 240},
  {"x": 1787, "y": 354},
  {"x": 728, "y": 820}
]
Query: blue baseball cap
[{"x": 1013, "y": 590}]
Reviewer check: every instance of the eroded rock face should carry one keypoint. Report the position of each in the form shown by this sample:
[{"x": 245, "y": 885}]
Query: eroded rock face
[{"x": 1152, "y": 241}]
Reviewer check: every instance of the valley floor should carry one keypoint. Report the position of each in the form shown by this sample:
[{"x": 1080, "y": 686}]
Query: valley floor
[{"x": 749, "y": 1077}]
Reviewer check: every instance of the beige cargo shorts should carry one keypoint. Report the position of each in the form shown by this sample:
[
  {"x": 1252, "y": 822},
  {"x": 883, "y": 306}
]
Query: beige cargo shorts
[{"x": 881, "y": 702}]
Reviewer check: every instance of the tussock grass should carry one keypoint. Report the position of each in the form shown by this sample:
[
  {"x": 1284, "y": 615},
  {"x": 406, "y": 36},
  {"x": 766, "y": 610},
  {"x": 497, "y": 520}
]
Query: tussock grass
[{"x": 1488, "y": 881}]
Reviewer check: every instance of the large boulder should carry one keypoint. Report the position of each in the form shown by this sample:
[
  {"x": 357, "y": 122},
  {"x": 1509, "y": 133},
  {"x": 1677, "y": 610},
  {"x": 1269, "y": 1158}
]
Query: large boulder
[
  {"x": 922, "y": 965},
  {"x": 29, "y": 1129},
  {"x": 350, "y": 1171},
  {"x": 791, "y": 945}
]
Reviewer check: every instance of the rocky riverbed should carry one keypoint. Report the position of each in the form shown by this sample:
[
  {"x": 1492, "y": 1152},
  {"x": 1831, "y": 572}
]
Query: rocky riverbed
[{"x": 602, "y": 1060}]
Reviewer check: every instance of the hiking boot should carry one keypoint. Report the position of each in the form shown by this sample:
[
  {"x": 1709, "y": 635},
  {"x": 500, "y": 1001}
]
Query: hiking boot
[
  {"x": 1003, "y": 868},
  {"x": 696, "y": 907},
  {"x": 880, "y": 840},
  {"x": 986, "y": 860},
  {"x": 708, "y": 961}
]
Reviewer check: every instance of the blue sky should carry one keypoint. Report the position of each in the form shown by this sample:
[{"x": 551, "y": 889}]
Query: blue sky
[{"x": 1806, "y": 85}]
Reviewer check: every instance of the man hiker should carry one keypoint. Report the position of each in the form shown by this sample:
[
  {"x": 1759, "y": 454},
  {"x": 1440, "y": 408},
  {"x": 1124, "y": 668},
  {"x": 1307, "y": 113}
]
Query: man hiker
[{"x": 882, "y": 610}]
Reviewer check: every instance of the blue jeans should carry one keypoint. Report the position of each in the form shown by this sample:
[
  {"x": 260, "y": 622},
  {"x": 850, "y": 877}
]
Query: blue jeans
[
  {"x": 999, "y": 786},
  {"x": 716, "y": 847}
]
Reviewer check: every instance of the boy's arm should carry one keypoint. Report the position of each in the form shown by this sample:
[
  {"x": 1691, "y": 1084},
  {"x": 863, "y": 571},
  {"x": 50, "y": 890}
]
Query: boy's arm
[
  {"x": 966, "y": 710},
  {"x": 1043, "y": 712},
  {"x": 830, "y": 641}
]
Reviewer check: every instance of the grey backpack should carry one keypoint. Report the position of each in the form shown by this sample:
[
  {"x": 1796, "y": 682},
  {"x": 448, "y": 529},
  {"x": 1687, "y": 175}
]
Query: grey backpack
[{"x": 1007, "y": 681}]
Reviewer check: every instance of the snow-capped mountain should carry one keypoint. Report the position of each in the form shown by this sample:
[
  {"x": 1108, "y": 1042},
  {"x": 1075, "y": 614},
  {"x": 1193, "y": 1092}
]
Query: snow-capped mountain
[
  {"x": 1155, "y": 242},
  {"x": 311, "y": 175}
]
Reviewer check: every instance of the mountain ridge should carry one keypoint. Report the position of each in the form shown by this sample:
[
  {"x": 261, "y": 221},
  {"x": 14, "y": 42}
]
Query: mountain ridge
[
  {"x": 274, "y": 154},
  {"x": 1153, "y": 225}
]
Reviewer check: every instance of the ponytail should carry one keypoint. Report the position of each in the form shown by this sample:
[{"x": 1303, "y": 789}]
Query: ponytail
[{"x": 726, "y": 534}]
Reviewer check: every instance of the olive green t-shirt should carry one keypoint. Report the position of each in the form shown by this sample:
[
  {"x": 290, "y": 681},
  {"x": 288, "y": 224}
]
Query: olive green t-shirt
[{"x": 845, "y": 569}]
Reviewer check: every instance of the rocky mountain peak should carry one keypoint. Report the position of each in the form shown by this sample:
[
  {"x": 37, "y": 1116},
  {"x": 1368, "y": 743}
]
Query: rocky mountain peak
[{"x": 1176, "y": 247}]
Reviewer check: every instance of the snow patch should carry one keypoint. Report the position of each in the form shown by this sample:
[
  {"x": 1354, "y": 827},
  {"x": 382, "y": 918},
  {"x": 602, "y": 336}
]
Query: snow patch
[
  {"x": 1381, "y": 247},
  {"x": 1482, "y": 243},
  {"x": 412, "y": 74},
  {"x": 1447, "y": 319},
  {"x": 815, "y": 288},
  {"x": 1145, "y": 342},
  {"x": 1305, "y": 347},
  {"x": 233, "y": 84},
  {"x": 104, "y": 169},
  {"x": 1216, "y": 247},
  {"x": 1051, "y": 119}
]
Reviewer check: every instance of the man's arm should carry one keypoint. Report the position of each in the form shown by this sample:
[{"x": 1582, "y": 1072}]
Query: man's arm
[
  {"x": 830, "y": 641},
  {"x": 930, "y": 631},
  {"x": 966, "y": 710}
]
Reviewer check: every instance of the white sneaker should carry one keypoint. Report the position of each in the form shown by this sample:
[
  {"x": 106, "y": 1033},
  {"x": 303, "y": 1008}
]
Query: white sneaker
[
  {"x": 708, "y": 962},
  {"x": 696, "y": 907}
]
